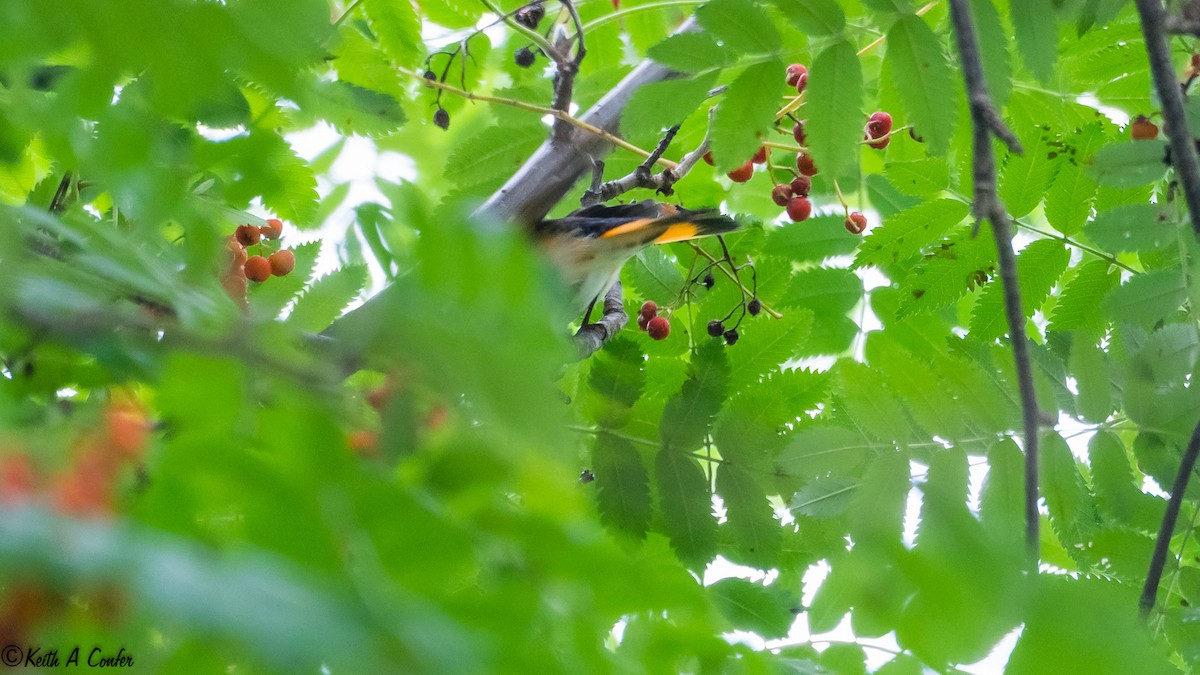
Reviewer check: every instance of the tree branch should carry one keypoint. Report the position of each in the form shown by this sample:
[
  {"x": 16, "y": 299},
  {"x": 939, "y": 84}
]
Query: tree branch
[
  {"x": 986, "y": 123},
  {"x": 642, "y": 178},
  {"x": 554, "y": 168},
  {"x": 564, "y": 78},
  {"x": 1170, "y": 95},
  {"x": 591, "y": 337},
  {"x": 1163, "y": 543}
]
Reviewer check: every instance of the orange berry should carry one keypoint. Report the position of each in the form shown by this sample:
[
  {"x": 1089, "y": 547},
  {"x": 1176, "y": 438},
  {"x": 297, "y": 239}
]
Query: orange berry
[
  {"x": 437, "y": 417},
  {"x": 805, "y": 165},
  {"x": 18, "y": 480},
  {"x": 126, "y": 429},
  {"x": 247, "y": 235},
  {"x": 235, "y": 286},
  {"x": 272, "y": 229},
  {"x": 282, "y": 262},
  {"x": 1142, "y": 129},
  {"x": 364, "y": 442},
  {"x": 257, "y": 268},
  {"x": 856, "y": 223}
]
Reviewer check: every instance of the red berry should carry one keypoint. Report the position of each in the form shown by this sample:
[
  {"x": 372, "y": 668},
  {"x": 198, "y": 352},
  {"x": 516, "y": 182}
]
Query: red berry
[
  {"x": 760, "y": 157},
  {"x": 649, "y": 309},
  {"x": 798, "y": 133},
  {"x": 801, "y": 185},
  {"x": 272, "y": 229},
  {"x": 856, "y": 223},
  {"x": 247, "y": 235},
  {"x": 234, "y": 284},
  {"x": 708, "y": 158},
  {"x": 1143, "y": 129},
  {"x": 282, "y": 262},
  {"x": 800, "y": 85},
  {"x": 879, "y": 125},
  {"x": 879, "y": 144},
  {"x": 742, "y": 173},
  {"x": 794, "y": 72},
  {"x": 804, "y": 164},
  {"x": 257, "y": 268},
  {"x": 658, "y": 328},
  {"x": 642, "y": 321},
  {"x": 781, "y": 194},
  {"x": 799, "y": 208}
]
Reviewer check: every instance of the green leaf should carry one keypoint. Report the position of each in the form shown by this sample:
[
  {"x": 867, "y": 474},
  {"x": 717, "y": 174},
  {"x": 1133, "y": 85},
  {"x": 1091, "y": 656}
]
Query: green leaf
[
  {"x": 1134, "y": 228},
  {"x": 482, "y": 161},
  {"x": 688, "y": 415},
  {"x": 327, "y": 297},
  {"x": 813, "y": 17},
  {"x": 653, "y": 275},
  {"x": 765, "y": 345},
  {"x": 878, "y": 507},
  {"x": 1129, "y": 164},
  {"x": 926, "y": 397},
  {"x": 757, "y": 538},
  {"x": 742, "y": 28},
  {"x": 1062, "y": 486},
  {"x": 661, "y": 105},
  {"x": 1002, "y": 501},
  {"x": 824, "y": 290},
  {"x": 622, "y": 486},
  {"x": 905, "y": 234},
  {"x": 818, "y": 448},
  {"x": 868, "y": 402},
  {"x": 924, "y": 80},
  {"x": 1069, "y": 201},
  {"x": 948, "y": 273},
  {"x": 354, "y": 110},
  {"x": 825, "y": 497},
  {"x": 1037, "y": 36},
  {"x": 833, "y": 599},
  {"x": 763, "y": 610},
  {"x": 1093, "y": 378},
  {"x": 834, "y": 103},
  {"x": 1076, "y": 308},
  {"x": 616, "y": 380},
  {"x": 920, "y": 177},
  {"x": 398, "y": 29},
  {"x": 686, "y": 507},
  {"x": 452, "y": 13},
  {"x": 1039, "y": 266},
  {"x": 886, "y": 199},
  {"x": 890, "y": 6},
  {"x": 746, "y": 114},
  {"x": 1147, "y": 297},
  {"x": 690, "y": 52},
  {"x": 1118, "y": 495},
  {"x": 1027, "y": 177},
  {"x": 815, "y": 239}
]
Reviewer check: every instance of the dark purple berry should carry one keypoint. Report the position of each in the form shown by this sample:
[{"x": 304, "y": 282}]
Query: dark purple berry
[
  {"x": 731, "y": 336},
  {"x": 709, "y": 281},
  {"x": 715, "y": 328},
  {"x": 754, "y": 307},
  {"x": 524, "y": 57},
  {"x": 441, "y": 118}
]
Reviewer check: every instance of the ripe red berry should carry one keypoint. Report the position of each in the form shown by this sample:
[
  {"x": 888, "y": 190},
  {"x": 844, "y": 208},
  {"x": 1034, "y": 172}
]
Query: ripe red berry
[
  {"x": 794, "y": 72},
  {"x": 742, "y": 173},
  {"x": 282, "y": 262},
  {"x": 780, "y": 194},
  {"x": 804, "y": 164},
  {"x": 800, "y": 186},
  {"x": 879, "y": 124},
  {"x": 760, "y": 157},
  {"x": 708, "y": 158},
  {"x": 272, "y": 229},
  {"x": 649, "y": 309},
  {"x": 856, "y": 223},
  {"x": 257, "y": 268},
  {"x": 236, "y": 252},
  {"x": 798, "y": 133},
  {"x": 879, "y": 144},
  {"x": 1142, "y": 129},
  {"x": 658, "y": 328},
  {"x": 799, "y": 208},
  {"x": 642, "y": 321},
  {"x": 247, "y": 235},
  {"x": 1195, "y": 61}
]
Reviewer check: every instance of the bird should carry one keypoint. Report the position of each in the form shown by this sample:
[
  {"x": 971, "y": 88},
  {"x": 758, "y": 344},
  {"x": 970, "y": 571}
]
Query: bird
[{"x": 591, "y": 245}]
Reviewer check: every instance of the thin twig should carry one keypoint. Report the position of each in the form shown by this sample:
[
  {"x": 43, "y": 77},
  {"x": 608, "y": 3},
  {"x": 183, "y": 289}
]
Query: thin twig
[
  {"x": 986, "y": 123},
  {"x": 564, "y": 78},
  {"x": 745, "y": 291},
  {"x": 641, "y": 177},
  {"x": 1183, "y": 152},
  {"x": 522, "y": 105},
  {"x": 591, "y": 337},
  {"x": 1163, "y": 543}
]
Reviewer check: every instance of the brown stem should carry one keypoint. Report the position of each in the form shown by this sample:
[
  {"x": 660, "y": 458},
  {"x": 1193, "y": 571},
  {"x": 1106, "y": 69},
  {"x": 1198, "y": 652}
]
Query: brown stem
[{"x": 1163, "y": 543}]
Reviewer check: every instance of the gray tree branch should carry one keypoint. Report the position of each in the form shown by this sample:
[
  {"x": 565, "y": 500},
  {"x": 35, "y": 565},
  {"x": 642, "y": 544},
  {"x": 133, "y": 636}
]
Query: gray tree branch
[
  {"x": 591, "y": 337},
  {"x": 986, "y": 123}
]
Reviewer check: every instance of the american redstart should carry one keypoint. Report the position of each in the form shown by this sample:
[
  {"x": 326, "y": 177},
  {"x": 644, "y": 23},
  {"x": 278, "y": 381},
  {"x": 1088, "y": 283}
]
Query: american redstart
[{"x": 589, "y": 246}]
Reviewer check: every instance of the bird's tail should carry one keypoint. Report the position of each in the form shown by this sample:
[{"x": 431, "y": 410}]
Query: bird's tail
[{"x": 679, "y": 226}]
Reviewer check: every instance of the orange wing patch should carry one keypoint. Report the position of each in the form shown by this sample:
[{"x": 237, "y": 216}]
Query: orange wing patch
[
  {"x": 678, "y": 232},
  {"x": 625, "y": 228}
]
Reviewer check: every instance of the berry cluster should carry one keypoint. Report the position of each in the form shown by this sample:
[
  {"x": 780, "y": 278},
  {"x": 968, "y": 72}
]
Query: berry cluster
[
  {"x": 794, "y": 194},
  {"x": 364, "y": 439},
  {"x": 648, "y": 320},
  {"x": 88, "y": 486},
  {"x": 242, "y": 267}
]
